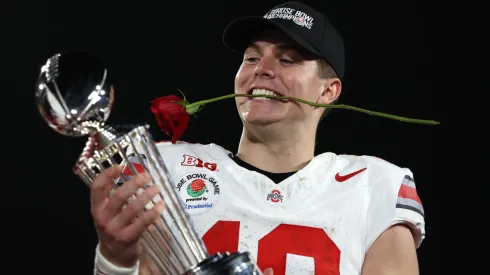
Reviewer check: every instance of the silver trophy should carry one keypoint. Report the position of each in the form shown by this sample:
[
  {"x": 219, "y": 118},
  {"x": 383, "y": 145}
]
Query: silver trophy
[{"x": 75, "y": 95}]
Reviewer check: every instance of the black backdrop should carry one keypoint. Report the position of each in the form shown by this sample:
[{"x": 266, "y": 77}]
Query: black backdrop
[{"x": 155, "y": 48}]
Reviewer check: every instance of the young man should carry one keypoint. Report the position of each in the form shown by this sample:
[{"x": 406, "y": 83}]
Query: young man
[{"x": 297, "y": 213}]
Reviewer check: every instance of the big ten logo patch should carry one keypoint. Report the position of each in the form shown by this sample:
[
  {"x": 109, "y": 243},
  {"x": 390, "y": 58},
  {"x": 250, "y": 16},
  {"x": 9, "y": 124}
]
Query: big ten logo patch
[
  {"x": 300, "y": 18},
  {"x": 275, "y": 196},
  {"x": 197, "y": 162},
  {"x": 199, "y": 191}
]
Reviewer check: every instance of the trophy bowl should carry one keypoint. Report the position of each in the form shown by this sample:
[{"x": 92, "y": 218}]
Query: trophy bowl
[{"x": 74, "y": 93}]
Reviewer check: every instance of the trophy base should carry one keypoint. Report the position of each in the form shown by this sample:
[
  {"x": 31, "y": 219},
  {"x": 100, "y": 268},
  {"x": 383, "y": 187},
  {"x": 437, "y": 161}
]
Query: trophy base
[{"x": 238, "y": 263}]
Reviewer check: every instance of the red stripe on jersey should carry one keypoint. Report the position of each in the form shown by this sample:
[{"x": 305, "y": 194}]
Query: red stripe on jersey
[
  {"x": 222, "y": 236},
  {"x": 409, "y": 193}
]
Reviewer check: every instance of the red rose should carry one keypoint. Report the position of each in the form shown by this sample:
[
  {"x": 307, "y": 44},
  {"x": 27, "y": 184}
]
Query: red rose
[
  {"x": 198, "y": 185},
  {"x": 171, "y": 116}
]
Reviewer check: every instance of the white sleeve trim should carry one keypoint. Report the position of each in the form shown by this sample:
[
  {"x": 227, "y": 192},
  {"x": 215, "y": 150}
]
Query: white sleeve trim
[
  {"x": 105, "y": 267},
  {"x": 413, "y": 221}
]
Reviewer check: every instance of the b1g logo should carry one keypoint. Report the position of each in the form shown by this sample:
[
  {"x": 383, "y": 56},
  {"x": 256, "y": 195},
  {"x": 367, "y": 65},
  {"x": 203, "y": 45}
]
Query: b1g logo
[
  {"x": 199, "y": 191},
  {"x": 274, "y": 196},
  {"x": 197, "y": 162}
]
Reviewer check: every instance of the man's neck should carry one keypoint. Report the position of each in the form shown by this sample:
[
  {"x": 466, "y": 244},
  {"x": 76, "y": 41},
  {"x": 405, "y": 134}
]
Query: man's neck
[{"x": 288, "y": 153}]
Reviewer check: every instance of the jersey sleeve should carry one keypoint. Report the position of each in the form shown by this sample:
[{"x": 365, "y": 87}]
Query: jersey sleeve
[
  {"x": 394, "y": 200},
  {"x": 409, "y": 209}
]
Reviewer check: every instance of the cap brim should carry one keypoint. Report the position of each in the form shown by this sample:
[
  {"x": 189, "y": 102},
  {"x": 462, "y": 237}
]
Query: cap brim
[{"x": 239, "y": 33}]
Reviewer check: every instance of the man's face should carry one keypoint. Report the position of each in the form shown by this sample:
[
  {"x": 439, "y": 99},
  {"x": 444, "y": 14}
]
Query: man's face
[{"x": 271, "y": 64}]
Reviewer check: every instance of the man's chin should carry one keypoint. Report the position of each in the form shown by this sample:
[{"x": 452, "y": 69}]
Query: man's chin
[
  {"x": 263, "y": 116},
  {"x": 260, "y": 121}
]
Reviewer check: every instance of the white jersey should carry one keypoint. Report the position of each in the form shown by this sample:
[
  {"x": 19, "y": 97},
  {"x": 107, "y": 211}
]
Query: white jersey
[{"x": 320, "y": 220}]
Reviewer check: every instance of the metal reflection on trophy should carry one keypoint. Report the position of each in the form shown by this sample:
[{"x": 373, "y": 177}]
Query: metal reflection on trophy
[{"x": 74, "y": 96}]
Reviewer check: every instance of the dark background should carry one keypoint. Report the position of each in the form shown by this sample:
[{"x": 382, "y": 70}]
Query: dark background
[{"x": 155, "y": 48}]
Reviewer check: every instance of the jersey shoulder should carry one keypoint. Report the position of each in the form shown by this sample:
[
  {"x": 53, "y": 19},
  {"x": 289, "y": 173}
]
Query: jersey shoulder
[
  {"x": 378, "y": 170},
  {"x": 394, "y": 197}
]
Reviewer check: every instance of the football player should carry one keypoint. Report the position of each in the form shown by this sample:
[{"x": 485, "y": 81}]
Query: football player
[{"x": 296, "y": 212}]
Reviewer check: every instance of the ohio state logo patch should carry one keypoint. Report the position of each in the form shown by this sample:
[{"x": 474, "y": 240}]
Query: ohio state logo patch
[
  {"x": 199, "y": 191},
  {"x": 275, "y": 196}
]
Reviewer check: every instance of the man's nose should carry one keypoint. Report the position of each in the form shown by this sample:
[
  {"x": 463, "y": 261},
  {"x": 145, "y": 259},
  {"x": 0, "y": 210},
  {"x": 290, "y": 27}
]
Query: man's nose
[{"x": 265, "y": 68}]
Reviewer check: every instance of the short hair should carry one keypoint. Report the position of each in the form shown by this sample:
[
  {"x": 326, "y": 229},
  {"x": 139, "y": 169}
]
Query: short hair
[{"x": 325, "y": 71}]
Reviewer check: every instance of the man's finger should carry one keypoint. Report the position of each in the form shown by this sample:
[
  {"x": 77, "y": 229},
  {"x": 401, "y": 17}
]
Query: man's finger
[
  {"x": 136, "y": 207},
  {"x": 144, "y": 221},
  {"x": 126, "y": 191},
  {"x": 103, "y": 182}
]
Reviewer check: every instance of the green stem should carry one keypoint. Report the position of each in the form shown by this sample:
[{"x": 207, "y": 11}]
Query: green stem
[
  {"x": 204, "y": 102},
  {"x": 332, "y": 106}
]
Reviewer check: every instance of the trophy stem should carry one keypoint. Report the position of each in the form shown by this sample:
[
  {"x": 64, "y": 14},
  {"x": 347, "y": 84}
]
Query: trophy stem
[
  {"x": 194, "y": 239},
  {"x": 172, "y": 242},
  {"x": 154, "y": 250},
  {"x": 81, "y": 168},
  {"x": 159, "y": 237}
]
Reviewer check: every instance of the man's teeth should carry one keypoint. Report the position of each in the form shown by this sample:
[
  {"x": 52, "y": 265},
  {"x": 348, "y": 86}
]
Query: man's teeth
[{"x": 263, "y": 92}]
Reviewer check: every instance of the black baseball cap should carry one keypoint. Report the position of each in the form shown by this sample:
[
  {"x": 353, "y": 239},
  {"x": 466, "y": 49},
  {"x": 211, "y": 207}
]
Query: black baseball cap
[{"x": 309, "y": 28}]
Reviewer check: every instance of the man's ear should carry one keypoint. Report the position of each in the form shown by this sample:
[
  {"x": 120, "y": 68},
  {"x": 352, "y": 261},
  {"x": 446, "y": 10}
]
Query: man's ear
[{"x": 331, "y": 90}]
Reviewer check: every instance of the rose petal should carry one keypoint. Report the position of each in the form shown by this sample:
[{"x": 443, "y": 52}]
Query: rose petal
[{"x": 171, "y": 116}]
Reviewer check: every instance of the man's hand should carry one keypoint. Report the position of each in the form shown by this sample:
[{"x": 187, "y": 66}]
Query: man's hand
[
  {"x": 268, "y": 271},
  {"x": 120, "y": 228}
]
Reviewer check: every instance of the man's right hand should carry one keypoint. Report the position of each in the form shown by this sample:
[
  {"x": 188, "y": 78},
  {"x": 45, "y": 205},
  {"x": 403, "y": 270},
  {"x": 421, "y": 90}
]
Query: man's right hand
[{"x": 120, "y": 229}]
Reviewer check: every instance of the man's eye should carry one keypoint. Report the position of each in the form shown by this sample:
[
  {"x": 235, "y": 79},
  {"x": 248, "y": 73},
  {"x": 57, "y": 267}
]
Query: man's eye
[
  {"x": 287, "y": 61},
  {"x": 251, "y": 59}
]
